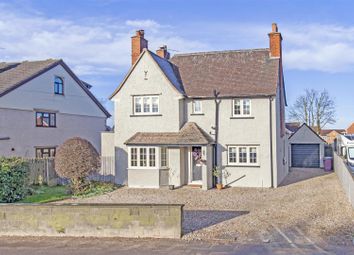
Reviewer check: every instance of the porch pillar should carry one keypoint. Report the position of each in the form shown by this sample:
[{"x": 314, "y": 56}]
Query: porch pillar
[{"x": 207, "y": 156}]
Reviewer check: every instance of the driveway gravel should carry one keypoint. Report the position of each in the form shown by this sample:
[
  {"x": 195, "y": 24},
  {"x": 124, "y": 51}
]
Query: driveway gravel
[{"x": 310, "y": 205}]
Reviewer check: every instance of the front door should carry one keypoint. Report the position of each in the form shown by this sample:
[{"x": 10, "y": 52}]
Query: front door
[{"x": 196, "y": 168}]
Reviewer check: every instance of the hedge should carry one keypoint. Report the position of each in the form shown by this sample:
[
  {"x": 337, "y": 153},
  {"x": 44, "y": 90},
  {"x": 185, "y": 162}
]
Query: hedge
[{"x": 14, "y": 184}]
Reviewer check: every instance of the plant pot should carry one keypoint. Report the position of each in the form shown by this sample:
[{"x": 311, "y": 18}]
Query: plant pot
[
  {"x": 171, "y": 187},
  {"x": 219, "y": 186}
]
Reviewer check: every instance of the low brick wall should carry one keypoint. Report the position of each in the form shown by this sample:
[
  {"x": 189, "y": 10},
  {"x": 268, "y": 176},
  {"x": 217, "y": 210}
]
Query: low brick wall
[
  {"x": 345, "y": 177},
  {"x": 99, "y": 220}
]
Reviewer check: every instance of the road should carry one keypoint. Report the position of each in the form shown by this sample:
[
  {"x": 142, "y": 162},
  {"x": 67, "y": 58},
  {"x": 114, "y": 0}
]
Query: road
[{"x": 110, "y": 246}]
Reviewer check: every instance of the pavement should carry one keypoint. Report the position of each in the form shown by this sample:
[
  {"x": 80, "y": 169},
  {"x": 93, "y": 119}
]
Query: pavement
[{"x": 121, "y": 246}]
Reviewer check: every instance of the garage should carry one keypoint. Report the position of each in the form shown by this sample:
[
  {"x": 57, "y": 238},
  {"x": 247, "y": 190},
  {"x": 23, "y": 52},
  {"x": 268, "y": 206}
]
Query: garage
[
  {"x": 306, "y": 148},
  {"x": 305, "y": 155}
]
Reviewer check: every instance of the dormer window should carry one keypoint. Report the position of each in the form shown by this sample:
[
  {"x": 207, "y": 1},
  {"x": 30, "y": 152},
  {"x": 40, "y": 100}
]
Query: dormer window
[{"x": 58, "y": 86}]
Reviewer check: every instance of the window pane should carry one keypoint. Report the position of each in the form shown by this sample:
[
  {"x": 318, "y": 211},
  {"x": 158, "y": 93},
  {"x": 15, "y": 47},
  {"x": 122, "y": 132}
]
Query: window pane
[
  {"x": 155, "y": 104},
  {"x": 163, "y": 157},
  {"x": 253, "y": 155},
  {"x": 39, "y": 119},
  {"x": 246, "y": 107},
  {"x": 197, "y": 106},
  {"x": 45, "y": 119},
  {"x": 52, "y": 120},
  {"x": 133, "y": 157},
  {"x": 143, "y": 157},
  {"x": 58, "y": 85},
  {"x": 152, "y": 156},
  {"x": 237, "y": 107},
  {"x": 146, "y": 102},
  {"x": 137, "y": 104},
  {"x": 242, "y": 155},
  {"x": 232, "y": 154}
]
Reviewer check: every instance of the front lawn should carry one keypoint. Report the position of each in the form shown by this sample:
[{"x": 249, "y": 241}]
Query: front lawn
[{"x": 45, "y": 194}]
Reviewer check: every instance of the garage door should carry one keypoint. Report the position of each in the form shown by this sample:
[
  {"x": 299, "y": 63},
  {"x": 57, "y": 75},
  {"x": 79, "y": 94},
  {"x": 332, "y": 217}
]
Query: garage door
[{"x": 305, "y": 155}]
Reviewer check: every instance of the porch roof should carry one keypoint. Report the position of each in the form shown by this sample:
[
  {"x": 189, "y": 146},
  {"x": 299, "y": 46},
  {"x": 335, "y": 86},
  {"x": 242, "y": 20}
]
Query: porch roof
[{"x": 189, "y": 134}]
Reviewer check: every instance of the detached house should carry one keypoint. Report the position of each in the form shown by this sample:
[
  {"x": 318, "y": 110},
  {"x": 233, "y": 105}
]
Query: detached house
[
  {"x": 177, "y": 118},
  {"x": 42, "y": 104}
]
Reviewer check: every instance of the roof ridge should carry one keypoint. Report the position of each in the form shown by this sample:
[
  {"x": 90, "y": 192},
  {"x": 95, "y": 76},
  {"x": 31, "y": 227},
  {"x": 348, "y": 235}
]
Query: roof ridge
[
  {"x": 31, "y": 61},
  {"x": 218, "y": 52}
]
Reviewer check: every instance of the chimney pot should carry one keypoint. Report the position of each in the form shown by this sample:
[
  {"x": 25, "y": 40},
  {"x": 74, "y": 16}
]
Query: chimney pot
[{"x": 274, "y": 27}]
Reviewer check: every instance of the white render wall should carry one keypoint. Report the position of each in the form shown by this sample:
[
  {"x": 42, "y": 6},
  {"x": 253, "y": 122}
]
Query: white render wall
[
  {"x": 239, "y": 131},
  {"x": 20, "y": 126},
  {"x": 77, "y": 115},
  {"x": 126, "y": 125}
]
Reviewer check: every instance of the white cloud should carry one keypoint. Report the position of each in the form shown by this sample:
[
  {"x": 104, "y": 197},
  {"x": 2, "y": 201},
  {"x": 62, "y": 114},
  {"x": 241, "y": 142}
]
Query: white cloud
[
  {"x": 327, "y": 48},
  {"x": 90, "y": 48}
]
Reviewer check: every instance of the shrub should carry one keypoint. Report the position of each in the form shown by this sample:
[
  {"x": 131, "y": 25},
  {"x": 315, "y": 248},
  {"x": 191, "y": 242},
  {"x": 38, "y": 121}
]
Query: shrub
[
  {"x": 76, "y": 159},
  {"x": 13, "y": 179}
]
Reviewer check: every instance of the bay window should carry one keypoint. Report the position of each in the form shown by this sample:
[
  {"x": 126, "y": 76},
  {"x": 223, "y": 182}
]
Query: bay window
[
  {"x": 147, "y": 157},
  {"x": 242, "y": 155}
]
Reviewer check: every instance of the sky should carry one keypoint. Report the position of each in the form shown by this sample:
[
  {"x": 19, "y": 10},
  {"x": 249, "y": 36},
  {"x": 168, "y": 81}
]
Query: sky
[{"x": 93, "y": 38}]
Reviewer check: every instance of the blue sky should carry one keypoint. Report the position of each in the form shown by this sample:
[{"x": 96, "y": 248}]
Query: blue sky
[{"x": 93, "y": 37}]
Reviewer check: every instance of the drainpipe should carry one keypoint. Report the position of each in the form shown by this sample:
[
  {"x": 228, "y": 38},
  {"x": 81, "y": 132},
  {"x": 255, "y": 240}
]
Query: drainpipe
[
  {"x": 271, "y": 141},
  {"x": 216, "y": 130}
]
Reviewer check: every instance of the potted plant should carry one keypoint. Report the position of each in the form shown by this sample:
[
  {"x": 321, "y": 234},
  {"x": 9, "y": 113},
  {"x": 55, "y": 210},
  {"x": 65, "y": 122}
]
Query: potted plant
[
  {"x": 217, "y": 172},
  {"x": 220, "y": 174}
]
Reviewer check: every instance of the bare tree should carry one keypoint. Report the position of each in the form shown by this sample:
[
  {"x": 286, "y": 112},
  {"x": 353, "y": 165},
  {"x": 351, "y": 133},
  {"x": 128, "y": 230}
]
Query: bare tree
[{"x": 316, "y": 109}]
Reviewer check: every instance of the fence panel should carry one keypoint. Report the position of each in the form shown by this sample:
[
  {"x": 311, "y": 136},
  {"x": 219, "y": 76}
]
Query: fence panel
[{"x": 42, "y": 170}]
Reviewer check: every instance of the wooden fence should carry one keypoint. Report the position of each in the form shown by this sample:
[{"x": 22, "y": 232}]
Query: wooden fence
[{"x": 42, "y": 171}]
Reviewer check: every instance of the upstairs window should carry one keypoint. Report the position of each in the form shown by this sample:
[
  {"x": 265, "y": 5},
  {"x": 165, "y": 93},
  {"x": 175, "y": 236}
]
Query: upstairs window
[
  {"x": 197, "y": 107},
  {"x": 45, "y": 152},
  {"x": 241, "y": 107},
  {"x": 45, "y": 119},
  {"x": 146, "y": 105},
  {"x": 58, "y": 86}
]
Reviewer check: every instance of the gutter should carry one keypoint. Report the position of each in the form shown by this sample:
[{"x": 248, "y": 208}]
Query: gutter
[{"x": 271, "y": 141}]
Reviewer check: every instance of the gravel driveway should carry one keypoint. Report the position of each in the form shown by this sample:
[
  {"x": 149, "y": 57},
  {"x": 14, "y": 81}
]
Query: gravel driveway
[{"x": 310, "y": 206}]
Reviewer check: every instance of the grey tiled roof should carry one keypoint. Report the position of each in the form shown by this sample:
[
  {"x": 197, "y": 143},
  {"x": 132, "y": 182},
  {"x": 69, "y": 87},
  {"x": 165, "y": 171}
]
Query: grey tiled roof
[
  {"x": 190, "y": 134},
  {"x": 170, "y": 70},
  {"x": 233, "y": 73},
  {"x": 11, "y": 74}
]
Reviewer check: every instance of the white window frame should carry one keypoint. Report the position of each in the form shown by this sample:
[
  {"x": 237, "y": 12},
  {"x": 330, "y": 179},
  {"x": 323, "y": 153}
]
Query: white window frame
[
  {"x": 247, "y": 163},
  {"x": 241, "y": 107},
  {"x": 201, "y": 107},
  {"x": 149, "y": 100},
  {"x": 147, "y": 148},
  {"x": 164, "y": 148}
]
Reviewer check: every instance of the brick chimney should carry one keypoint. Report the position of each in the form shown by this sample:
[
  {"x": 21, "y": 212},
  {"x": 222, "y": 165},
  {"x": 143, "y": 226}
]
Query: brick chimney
[
  {"x": 138, "y": 44},
  {"x": 275, "y": 39},
  {"x": 162, "y": 52}
]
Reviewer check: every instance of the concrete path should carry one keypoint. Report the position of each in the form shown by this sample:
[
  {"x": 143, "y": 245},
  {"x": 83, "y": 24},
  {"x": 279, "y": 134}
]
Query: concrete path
[{"x": 108, "y": 246}]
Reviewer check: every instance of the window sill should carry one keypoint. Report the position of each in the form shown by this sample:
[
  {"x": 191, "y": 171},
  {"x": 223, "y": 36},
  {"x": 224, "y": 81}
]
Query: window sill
[
  {"x": 193, "y": 114},
  {"x": 241, "y": 117},
  {"x": 45, "y": 127},
  {"x": 142, "y": 168},
  {"x": 145, "y": 115},
  {"x": 242, "y": 165}
]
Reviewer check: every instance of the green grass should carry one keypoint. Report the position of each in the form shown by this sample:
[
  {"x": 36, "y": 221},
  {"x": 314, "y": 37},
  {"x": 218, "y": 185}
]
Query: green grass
[{"x": 45, "y": 194}]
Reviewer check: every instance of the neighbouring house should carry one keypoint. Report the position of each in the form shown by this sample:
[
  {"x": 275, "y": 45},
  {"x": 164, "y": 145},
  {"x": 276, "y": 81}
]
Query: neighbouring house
[
  {"x": 329, "y": 135},
  {"x": 307, "y": 148},
  {"x": 43, "y": 103},
  {"x": 171, "y": 130},
  {"x": 350, "y": 129},
  {"x": 292, "y": 127}
]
